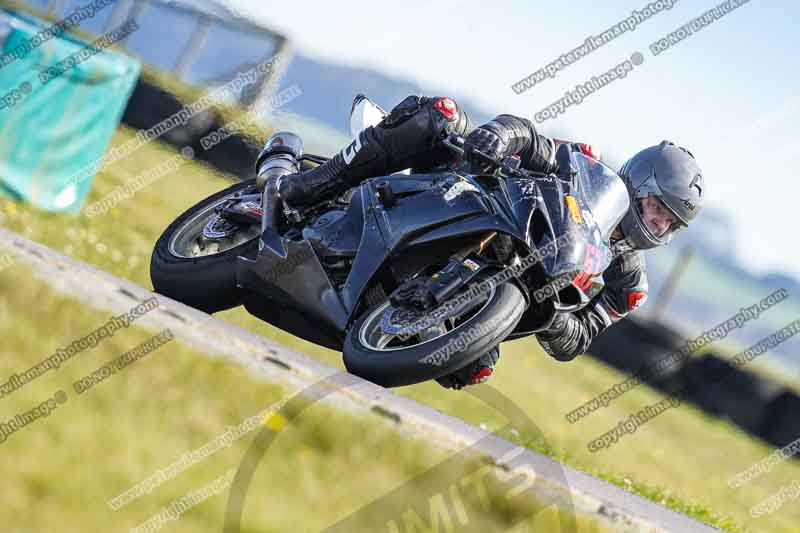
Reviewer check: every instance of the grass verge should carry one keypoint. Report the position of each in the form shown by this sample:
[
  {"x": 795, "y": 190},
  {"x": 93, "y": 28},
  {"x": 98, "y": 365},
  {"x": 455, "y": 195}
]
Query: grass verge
[
  {"x": 681, "y": 459},
  {"x": 323, "y": 466}
]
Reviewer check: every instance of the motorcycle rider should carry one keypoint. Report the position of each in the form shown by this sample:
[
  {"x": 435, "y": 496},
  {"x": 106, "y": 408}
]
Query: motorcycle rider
[{"x": 664, "y": 182}]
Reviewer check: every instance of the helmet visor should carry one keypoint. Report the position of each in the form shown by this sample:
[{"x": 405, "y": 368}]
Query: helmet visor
[{"x": 659, "y": 220}]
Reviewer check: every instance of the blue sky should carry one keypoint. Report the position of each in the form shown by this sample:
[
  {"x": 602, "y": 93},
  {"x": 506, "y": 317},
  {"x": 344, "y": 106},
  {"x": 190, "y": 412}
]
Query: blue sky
[{"x": 728, "y": 92}]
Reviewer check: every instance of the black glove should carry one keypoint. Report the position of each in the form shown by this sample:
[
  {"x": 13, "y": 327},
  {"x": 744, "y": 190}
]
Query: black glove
[
  {"x": 556, "y": 340},
  {"x": 487, "y": 142},
  {"x": 555, "y": 329}
]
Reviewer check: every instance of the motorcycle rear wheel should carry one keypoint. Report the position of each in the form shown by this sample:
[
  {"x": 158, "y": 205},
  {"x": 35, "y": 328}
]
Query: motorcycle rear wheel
[{"x": 196, "y": 271}]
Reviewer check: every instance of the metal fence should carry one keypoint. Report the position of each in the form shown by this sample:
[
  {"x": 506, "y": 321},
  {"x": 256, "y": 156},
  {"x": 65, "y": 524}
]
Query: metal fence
[{"x": 203, "y": 43}]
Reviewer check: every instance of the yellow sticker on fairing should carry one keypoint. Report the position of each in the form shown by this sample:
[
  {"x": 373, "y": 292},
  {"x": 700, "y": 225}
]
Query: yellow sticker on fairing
[{"x": 574, "y": 210}]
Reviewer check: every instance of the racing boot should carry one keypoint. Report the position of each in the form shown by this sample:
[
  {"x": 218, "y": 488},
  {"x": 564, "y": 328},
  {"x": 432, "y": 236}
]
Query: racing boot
[
  {"x": 476, "y": 372},
  {"x": 408, "y": 137}
]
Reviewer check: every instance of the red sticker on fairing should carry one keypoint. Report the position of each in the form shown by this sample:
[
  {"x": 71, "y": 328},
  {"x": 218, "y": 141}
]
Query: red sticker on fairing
[
  {"x": 590, "y": 150},
  {"x": 583, "y": 280},
  {"x": 591, "y": 262},
  {"x": 635, "y": 299},
  {"x": 446, "y": 107}
]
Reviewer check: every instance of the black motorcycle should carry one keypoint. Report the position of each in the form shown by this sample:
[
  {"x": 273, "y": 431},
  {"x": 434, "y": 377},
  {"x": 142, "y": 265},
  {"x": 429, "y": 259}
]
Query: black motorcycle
[{"x": 411, "y": 276}]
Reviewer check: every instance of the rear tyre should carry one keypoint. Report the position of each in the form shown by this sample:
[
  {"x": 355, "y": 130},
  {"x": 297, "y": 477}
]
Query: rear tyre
[{"x": 195, "y": 270}]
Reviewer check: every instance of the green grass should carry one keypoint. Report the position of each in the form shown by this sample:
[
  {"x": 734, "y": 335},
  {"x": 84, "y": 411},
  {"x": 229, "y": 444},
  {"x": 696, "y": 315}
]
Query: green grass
[
  {"x": 682, "y": 459},
  {"x": 60, "y": 471}
]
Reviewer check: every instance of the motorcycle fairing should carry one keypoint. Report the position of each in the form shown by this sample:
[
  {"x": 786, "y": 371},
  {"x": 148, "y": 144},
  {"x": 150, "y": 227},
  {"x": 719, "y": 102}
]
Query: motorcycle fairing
[
  {"x": 421, "y": 205},
  {"x": 427, "y": 208}
]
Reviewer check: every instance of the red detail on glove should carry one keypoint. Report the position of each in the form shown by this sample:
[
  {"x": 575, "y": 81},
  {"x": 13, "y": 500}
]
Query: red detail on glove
[
  {"x": 635, "y": 299},
  {"x": 590, "y": 151},
  {"x": 446, "y": 107},
  {"x": 481, "y": 375}
]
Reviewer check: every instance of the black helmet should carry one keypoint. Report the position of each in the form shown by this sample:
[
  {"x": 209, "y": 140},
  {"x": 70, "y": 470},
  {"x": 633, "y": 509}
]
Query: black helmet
[{"x": 670, "y": 173}]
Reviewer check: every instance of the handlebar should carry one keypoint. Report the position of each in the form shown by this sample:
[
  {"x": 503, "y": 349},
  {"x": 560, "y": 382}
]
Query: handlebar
[{"x": 455, "y": 142}]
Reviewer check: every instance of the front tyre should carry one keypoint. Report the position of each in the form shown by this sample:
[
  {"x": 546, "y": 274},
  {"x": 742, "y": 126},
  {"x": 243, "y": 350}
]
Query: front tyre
[
  {"x": 194, "y": 260},
  {"x": 394, "y": 346}
]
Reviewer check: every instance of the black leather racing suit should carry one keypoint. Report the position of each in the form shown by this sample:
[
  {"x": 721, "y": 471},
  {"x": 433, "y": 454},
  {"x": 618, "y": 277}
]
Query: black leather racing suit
[{"x": 408, "y": 137}]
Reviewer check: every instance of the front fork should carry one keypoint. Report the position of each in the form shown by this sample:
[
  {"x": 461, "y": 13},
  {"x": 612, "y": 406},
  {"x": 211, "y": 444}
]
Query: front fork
[
  {"x": 280, "y": 157},
  {"x": 462, "y": 267},
  {"x": 460, "y": 270}
]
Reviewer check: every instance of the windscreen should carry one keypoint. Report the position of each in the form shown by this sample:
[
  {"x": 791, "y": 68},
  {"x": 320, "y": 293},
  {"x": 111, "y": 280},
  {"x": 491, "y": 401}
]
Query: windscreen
[{"x": 603, "y": 192}]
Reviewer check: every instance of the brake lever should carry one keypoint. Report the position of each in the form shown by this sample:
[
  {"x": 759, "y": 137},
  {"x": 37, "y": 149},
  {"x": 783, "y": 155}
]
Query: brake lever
[{"x": 455, "y": 142}]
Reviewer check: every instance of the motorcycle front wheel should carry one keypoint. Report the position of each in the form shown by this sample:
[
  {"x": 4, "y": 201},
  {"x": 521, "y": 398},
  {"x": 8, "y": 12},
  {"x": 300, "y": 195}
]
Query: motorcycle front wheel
[{"x": 394, "y": 346}]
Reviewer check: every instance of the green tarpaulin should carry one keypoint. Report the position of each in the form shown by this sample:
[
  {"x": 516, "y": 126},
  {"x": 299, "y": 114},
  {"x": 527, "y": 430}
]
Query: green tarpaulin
[{"x": 60, "y": 103}]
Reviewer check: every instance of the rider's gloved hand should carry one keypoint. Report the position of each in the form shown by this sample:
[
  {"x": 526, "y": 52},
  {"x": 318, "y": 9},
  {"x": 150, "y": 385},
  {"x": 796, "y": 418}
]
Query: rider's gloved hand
[
  {"x": 558, "y": 340},
  {"x": 486, "y": 141}
]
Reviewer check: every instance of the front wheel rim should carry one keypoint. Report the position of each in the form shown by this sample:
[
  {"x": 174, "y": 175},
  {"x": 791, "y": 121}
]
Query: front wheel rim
[
  {"x": 374, "y": 337},
  {"x": 188, "y": 242}
]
